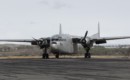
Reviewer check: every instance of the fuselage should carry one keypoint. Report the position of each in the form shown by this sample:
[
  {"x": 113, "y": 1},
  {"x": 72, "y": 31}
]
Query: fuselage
[{"x": 64, "y": 44}]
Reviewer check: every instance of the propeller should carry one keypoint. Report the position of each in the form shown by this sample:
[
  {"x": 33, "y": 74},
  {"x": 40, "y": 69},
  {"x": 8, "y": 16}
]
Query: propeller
[
  {"x": 38, "y": 41},
  {"x": 35, "y": 39},
  {"x": 42, "y": 42},
  {"x": 83, "y": 40}
]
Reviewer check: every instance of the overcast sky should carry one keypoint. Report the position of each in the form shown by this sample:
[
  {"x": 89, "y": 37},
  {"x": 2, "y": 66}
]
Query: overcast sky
[{"x": 24, "y": 19}]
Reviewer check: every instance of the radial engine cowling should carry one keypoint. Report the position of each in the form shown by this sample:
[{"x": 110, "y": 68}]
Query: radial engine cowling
[{"x": 34, "y": 43}]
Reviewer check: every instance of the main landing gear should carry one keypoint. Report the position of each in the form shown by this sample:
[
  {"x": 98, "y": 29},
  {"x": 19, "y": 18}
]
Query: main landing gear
[
  {"x": 45, "y": 55},
  {"x": 87, "y": 54},
  {"x": 57, "y": 55}
]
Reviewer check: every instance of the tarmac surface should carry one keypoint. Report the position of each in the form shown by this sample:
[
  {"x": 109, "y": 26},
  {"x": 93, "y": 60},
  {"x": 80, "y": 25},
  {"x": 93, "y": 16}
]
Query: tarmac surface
[{"x": 65, "y": 69}]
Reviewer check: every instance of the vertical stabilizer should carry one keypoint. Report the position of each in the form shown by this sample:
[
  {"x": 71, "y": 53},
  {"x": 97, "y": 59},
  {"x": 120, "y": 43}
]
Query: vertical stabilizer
[
  {"x": 60, "y": 30},
  {"x": 97, "y": 35},
  {"x": 98, "y": 29}
]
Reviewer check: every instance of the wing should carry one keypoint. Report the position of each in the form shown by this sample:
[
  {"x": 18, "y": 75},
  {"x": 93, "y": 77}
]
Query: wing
[
  {"x": 101, "y": 40},
  {"x": 17, "y": 40},
  {"x": 42, "y": 42},
  {"x": 98, "y": 40},
  {"x": 114, "y": 38}
]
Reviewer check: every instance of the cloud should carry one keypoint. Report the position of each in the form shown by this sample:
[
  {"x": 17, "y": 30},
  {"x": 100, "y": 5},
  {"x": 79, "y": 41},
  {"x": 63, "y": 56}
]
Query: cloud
[
  {"x": 59, "y": 5},
  {"x": 55, "y": 4},
  {"x": 32, "y": 22},
  {"x": 44, "y": 2}
]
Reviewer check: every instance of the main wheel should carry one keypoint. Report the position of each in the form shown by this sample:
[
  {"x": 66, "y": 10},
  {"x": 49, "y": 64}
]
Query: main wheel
[
  {"x": 57, "y": 56},
  {"x": 87, "y": 55},
  {"x": 45, "y": 56}
]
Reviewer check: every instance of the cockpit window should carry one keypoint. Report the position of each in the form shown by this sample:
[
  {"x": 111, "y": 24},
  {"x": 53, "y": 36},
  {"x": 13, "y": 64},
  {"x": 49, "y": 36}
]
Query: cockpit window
[{"x": 58, "y": 39}]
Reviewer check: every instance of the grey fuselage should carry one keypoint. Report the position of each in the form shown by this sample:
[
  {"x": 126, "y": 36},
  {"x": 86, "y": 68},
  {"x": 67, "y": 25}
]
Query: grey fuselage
[{"x": 64, "y": 45}]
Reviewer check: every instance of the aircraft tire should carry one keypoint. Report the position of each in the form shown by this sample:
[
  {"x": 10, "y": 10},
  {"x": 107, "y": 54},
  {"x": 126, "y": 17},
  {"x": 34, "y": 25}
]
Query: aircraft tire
[
  {"x": 45, "y": 56},
  {"x": 87, "y": 55},
  {"x": 57, "y": 56}
]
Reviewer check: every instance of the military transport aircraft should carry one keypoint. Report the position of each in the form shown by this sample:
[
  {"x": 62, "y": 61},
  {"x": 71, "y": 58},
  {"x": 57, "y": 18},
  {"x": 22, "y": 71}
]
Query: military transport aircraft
[{"x": 67, "y": 44}]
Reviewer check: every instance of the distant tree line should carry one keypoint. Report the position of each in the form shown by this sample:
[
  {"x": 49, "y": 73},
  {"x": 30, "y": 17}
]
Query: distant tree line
[
  {"x": 28, "y": 50},
  {"x": 19, "y": 50},
  {"x": 101, "y": 50}
]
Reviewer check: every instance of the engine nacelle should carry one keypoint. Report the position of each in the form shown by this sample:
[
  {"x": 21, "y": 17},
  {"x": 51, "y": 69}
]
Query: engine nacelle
[
  {"x": 41, "y": 43},
  {"x": 34, "y": 43},
  {"x": 100, "y": 41},
  {"x": 76, "y": 40}
]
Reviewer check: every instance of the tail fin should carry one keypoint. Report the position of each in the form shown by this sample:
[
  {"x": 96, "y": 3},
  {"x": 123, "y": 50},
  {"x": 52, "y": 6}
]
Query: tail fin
[
  {"x": 97, "y": 35},
  {"x": 60, "y": 30},
  {"x": 98, "y": 29}
]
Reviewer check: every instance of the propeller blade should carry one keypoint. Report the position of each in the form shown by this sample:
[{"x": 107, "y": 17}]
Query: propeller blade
[
  {"x": 85, "y": 34},
  {"x": 34, "y": 39},
  {"x": 38, "y": 41}
]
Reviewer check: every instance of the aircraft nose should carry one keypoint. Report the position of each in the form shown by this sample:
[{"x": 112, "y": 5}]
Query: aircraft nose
[{"x": 54, "y": 46}]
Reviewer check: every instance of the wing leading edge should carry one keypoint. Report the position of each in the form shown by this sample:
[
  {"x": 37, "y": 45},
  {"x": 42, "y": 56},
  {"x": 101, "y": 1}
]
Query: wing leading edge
[
  {"x": 102, "y": 40},
  {"x": 115, "y": 38},
  {"x": 17, "y": 40}
]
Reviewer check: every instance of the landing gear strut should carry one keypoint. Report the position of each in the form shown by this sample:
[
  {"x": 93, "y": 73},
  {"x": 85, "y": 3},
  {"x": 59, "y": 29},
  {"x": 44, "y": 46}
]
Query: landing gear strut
[
  {"x": 45, "y": 55},
  {"x": 87, "y": 54}
]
